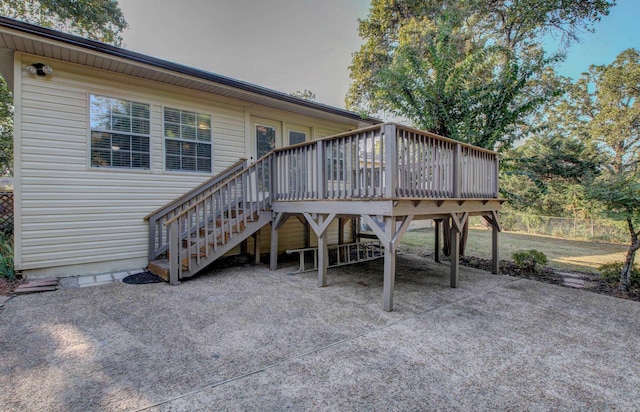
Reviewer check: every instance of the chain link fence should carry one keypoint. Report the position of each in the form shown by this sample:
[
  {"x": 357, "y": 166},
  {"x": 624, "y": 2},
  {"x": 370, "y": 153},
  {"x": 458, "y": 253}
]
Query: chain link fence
[{"x": 595, "y": 230}]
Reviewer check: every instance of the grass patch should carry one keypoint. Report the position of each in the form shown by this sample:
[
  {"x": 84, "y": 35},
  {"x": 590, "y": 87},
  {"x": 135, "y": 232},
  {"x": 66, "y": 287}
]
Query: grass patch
[
  {"x": 561, "y": 253},
  {"x": 6, "y": 256}
]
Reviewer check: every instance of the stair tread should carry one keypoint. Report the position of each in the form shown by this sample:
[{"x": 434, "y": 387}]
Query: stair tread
[
  {"x": 222, "y": 236},
  {"x": 160, "y": 267}
]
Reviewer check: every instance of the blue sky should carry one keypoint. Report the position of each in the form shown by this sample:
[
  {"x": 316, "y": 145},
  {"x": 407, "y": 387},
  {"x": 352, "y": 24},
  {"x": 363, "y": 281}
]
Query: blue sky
[
  {"x": 618, "y": 31},
  {"x": 291, "y": 45}
]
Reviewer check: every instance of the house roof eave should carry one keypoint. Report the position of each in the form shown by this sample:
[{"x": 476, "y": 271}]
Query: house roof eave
[{"x": 14, "y": 34}]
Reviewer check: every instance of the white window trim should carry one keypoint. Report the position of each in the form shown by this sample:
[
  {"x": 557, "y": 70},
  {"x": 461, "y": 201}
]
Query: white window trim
[
  {"x": 111, "y": 169},
  {"x": 306, "y": 130},
  {"x": 179, "y": 139}
]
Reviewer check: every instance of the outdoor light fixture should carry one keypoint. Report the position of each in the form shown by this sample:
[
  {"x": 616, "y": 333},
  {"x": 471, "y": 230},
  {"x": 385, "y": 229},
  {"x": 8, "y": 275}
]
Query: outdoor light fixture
[{"x": 39, "y": 69}]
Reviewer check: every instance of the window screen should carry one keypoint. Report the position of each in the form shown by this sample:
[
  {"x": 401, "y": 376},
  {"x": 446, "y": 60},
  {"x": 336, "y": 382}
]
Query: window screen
[
  {"x": 120, "y": 132},
  {"x": 187, "y": 143}
]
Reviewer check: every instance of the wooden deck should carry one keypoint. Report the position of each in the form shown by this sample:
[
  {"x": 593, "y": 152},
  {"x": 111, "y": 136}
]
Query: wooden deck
[{"x": 385, "y": 175}]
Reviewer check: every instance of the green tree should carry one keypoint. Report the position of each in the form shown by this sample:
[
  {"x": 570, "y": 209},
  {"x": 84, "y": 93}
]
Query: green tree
[
  {"x": 620, "y": 194},
  {"x": 603, "y": 107},
  {"x": 304, "y": 94},
  {"x": 6, "y": 130},
  {"x": 100, "y": 20},
  {"x": 548, "y": 174},
  {"x": 471, "y": 70}
]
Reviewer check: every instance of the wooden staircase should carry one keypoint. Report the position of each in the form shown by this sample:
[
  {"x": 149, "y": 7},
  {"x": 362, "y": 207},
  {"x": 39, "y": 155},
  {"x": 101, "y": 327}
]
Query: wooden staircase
[
  {"x": 211, "y": 243},
  {"x": 204, "y": 227}
]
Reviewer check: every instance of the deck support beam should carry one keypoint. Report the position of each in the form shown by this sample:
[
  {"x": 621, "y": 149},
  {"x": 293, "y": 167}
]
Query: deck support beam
[
  {"x": 256, "y": 248},
  {"x": 454, "y": 256},
  {"x": 496, "y": 228},
  {"x": 458, "y": 220},
  {"x": 389, "y": 236},
  {"x": 320, "y": 229},
  {"x": 174, "y": 252},
  {"x": 389, "y": 265},
  {"x": 495, "y": 256},
  {"x": 437, "y": 246},
  {"x": 276, "y": 223}
]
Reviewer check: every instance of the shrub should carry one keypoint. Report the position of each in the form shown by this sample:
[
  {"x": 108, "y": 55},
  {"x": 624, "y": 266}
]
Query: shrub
[
  {"x": 611, "y": 273},
  {"x": 528, "y": 259},
  {"x": 6, "y": 256}
]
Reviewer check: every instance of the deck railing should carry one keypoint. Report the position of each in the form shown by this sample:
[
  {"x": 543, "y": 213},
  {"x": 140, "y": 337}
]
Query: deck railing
[
  {"x": 223, "y": 213},
  {"x": 159, "y": 232},
  {"x": 384, "y": 161}
]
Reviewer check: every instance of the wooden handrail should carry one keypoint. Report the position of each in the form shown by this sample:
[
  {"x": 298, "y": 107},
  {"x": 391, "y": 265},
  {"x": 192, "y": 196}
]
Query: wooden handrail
[
  {"x": 444, "y": 139},
  {"x": 213, "y": 223},
  {"x": 234, "y": 168},
  {"x": 399, "y": 127},
  {"x": 221, "y": 185},
  {"x": 157, "y": 245},
  {"x": 390, "y": 155}
]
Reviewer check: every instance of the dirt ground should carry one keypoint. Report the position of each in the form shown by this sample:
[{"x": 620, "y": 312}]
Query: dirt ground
[
  {"x": 417, "y": 241},
  {"x": 8, "y": 286},
  {"x": 547, "y": 274},
  {"x": 248, "y": 338}
]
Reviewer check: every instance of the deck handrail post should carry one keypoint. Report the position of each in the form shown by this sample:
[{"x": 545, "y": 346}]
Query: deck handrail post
[
  {"x": 152, "y": 238},
  {"x": 457, "y": 170},
  {"x": 273, "y": 176},
  {"x": 497, "y": 181},
  {"x": 174, "y": 253},
  {"x": 390, "y": 145},
  {"x": 322, "y": 170}
]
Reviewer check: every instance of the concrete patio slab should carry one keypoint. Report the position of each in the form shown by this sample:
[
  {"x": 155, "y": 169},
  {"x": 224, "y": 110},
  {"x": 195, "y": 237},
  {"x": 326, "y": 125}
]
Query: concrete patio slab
[{"x": 251, "y": 339}]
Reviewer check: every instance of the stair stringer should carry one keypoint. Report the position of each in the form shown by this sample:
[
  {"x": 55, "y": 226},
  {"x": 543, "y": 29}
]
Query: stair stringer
[{"x": 264, "y": 218}]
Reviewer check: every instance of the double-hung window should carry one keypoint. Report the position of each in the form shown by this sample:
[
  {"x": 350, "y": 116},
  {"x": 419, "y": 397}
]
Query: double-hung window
[
  {"x": 187, "y": 141},
  {"x": 120, "y": 131}
]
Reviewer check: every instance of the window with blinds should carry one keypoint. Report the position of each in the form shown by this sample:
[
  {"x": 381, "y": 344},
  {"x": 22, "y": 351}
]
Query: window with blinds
[
  {"x": 120, "y": 131},
  {"x": 187, "y": 141}
]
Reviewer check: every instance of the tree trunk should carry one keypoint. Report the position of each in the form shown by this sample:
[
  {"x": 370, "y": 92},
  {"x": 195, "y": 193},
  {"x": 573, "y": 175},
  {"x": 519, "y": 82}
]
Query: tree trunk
[{"x": 627, "y": 268}]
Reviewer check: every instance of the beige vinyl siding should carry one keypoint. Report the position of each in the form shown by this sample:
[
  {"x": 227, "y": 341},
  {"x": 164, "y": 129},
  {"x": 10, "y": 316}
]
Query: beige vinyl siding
[
  {"x": 74, "y": 216},
  {"x": 328, "y": 129}
]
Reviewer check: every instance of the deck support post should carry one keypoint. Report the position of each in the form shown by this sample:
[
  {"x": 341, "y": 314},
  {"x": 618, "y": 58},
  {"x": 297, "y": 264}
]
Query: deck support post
[
  {"x": 340, "y": 251},
  {"x": 320, "y": 229},
  {"x": 273, "y": 256},
  {"x": 458, "y": 220},
  {"x": 323, "y": 256},
  {"x": 256, "y": 248},
  {"x": 495, "y": 255},
  {"x": 174, "y": 252},
  {"x": 496, "y": 228},
  {"x": 389, "y": 235},
  {"x": 276, "y": 223},
  {"x": 389, "y": 265},
  {"x": 438, "y": 248},
  {"x": 455, "y": 256}
]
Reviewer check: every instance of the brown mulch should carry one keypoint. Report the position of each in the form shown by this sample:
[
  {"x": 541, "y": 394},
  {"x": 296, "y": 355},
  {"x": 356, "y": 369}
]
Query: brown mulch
[
  {"x": 546, "y": 274},
  {"x": 7, "y": 286}
]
